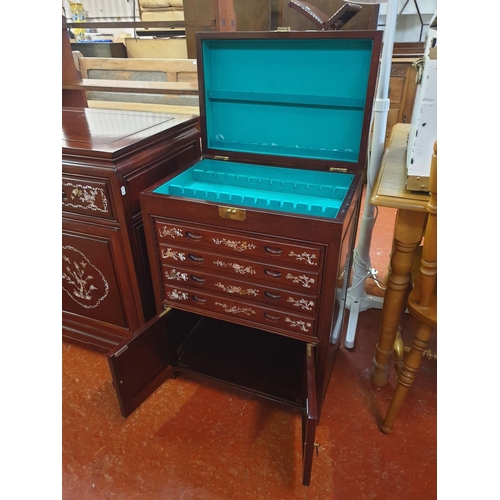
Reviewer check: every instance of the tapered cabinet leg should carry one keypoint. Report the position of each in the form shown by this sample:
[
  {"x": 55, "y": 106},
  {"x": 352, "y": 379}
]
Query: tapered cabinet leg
[{"x": 407, "y": 375}]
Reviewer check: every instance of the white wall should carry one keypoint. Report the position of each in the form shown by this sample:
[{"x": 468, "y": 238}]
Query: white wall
[{"x": 408, "y": 26}]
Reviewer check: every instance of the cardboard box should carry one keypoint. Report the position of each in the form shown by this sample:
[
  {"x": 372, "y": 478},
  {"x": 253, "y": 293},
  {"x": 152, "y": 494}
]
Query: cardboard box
[{"x": 423, "y": 129}]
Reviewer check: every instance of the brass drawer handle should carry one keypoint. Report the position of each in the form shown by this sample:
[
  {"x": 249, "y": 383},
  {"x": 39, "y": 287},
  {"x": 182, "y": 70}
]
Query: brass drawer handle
[
  {"x": 274, "y": 296},
  {"x": 196, "y": 258},
  {"x": 199, "y": 299},
  {"x": 193, "y": 236},
  {"x": 270, "y": 317},
  {"x": 273, "y": 274},
  {"x": 196, "y": 279},
  {"x": 273, "y": 251}
]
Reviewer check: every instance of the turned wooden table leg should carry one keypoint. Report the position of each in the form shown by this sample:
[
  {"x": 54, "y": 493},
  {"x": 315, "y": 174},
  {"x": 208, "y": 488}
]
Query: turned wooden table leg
[
  {"x": 407, "y": 375},
  {"x": 407, "y": 236}
]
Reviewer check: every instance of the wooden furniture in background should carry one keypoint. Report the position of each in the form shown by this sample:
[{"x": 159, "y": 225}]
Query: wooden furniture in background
[
  {"x": 402, "y": 91},
  {"x": 134, "y": 84},
  {"x": 108, "y": 157},
  {"x": 389, "y": 191},
  {"x": 422, "y": 304},
  {"x": 227, "y": 15},
  {"x": 70, "y": 97}
]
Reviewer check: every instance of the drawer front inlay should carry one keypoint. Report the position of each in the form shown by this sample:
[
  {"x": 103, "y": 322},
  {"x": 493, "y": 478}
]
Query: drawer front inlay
[
  {"x": 277, "y": 250},
  {"x": 260, "y": 272},
  {"x": 262, "y": 316},
  {"x": 215, "y": 283},
  {"x": 86, "y": 197}
]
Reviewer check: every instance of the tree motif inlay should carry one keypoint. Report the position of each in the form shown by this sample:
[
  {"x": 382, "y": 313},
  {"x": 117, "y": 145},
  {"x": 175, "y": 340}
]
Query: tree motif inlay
[
  {"x": 236, "y": 310},
  {"x": 302, "y": 303},
  {"x": 304, "y": 280},
  {"x": 238, "y": 268},
  {"x": 238, "y": 290},
  {"x": 82, "y": 281},
  {"x": 240, "y": 246},
  {"x": 173, "y": 232},
  {"x": 304, "y": 256}
]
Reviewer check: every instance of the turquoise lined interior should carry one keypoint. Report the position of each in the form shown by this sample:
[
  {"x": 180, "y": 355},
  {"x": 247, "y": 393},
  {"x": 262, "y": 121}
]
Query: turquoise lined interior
[
  {"x": 286, "y": 97},
  {"x": 262, "y": 187}
]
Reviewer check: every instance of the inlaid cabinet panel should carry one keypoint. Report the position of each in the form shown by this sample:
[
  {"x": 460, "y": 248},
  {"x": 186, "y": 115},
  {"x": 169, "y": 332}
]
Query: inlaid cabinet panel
[
  {"x": 109, "y": 156},
  {"x": 90, "y": 277},
  {"x": 89, "y": 197}
]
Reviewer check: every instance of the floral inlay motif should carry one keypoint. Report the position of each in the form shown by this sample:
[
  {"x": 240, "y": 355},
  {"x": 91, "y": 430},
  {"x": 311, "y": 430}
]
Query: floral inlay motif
[
  {"x": 307, "y": 257},
  {"x": 170, "y": 231},
  {"x": 237, "y": 289},
  {"x": 238, "y": 268},
  {"x": 177, "y": 295},
  {"x": 240, "y": 246},
  {"x": 172, "y": 254},
  {"x": 299, "y": 323},
  {"x": 303, "y": 303},
  {"x": 90, "y": 197},
  {"x": 236, "y": 310},
  {"x": 304, "y": 280},
  {"x": 82, "y": 281},
  {"x": 176, "y": 275}
]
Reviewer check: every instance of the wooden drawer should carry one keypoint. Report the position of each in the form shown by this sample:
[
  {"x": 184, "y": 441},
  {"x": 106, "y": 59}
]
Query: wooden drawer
[
  {"x": 274, "y": 319},
  {"x": 272, "y": 297},
  {"x": 87, "y": 197},
  {"x": 260, "y": 248},
  {"x": 253, "y": 271}
]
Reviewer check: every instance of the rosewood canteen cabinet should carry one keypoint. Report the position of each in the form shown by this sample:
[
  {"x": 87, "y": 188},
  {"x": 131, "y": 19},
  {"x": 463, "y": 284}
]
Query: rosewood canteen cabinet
[
  {"x": 108, "y": 158},
  {"x": 250, "y": 246}
]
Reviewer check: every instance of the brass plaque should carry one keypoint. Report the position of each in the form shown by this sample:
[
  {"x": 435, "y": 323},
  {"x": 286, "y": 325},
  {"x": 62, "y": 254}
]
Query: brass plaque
[{"x": 232, "y": 213}]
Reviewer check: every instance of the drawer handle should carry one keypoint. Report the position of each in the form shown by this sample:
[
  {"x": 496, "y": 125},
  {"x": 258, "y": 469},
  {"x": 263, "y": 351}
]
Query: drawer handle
[
  {"x": 196, "y": 279},
  {"x": 270, "y": 317},
  {"x": 196, "y": 258},
  {"x": 273, "y": 274},
  {"x": 273, "y": 251},
  {"x": 199, "y": 299},
  {"x": 193, "y": 236},
  {"x": 274, "y": 296}
]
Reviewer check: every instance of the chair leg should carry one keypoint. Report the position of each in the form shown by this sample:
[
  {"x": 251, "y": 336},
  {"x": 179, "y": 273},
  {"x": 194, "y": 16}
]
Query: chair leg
[{"x": 407, "y": 375}]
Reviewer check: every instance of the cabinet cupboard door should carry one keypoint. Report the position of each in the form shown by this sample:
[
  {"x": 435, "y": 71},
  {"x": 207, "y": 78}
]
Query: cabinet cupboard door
[
  {"x": 309, "y": 418},
  {"x": 95, "y": 280},
  {"x": 141, "y": 364}
]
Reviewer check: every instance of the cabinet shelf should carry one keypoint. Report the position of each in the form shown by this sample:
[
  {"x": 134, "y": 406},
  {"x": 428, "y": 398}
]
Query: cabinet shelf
[
  {"x": 277, "y": 99},
  {"x": 271, "y": 366}
]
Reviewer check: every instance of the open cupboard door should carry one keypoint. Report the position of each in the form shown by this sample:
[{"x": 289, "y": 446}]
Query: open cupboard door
[
  {"x": 309, "y": 417},
  {"x": 141, "y": 364}
]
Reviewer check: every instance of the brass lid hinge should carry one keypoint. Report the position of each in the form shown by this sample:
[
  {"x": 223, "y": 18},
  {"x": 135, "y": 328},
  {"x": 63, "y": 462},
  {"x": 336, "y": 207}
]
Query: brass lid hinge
[
  {"x": 218, "y": 157},
  {"x": 338, "y": 169}
]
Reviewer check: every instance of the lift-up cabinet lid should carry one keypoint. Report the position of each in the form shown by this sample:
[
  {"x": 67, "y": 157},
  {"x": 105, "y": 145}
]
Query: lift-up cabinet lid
[
  {"x": 299, "y": 98},
  {"x": 139, "y": 365}
]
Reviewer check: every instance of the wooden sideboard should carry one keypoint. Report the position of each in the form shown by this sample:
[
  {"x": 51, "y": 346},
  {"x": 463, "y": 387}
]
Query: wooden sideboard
[{"x": 108, "y": 158}]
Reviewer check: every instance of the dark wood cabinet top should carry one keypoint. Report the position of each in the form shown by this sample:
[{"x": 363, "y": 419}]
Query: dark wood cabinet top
[{"x": 112, "y": 132}]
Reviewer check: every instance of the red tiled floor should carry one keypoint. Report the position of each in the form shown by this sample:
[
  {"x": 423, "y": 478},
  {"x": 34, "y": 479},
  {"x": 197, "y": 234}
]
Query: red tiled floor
[{"x": 193, "y": 440}]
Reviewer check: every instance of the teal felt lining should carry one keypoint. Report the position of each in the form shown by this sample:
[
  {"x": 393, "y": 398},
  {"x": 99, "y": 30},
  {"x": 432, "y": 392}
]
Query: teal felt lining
[
  {"x": 287, "y": 97},
  {"x": 262, "y": 187}
]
